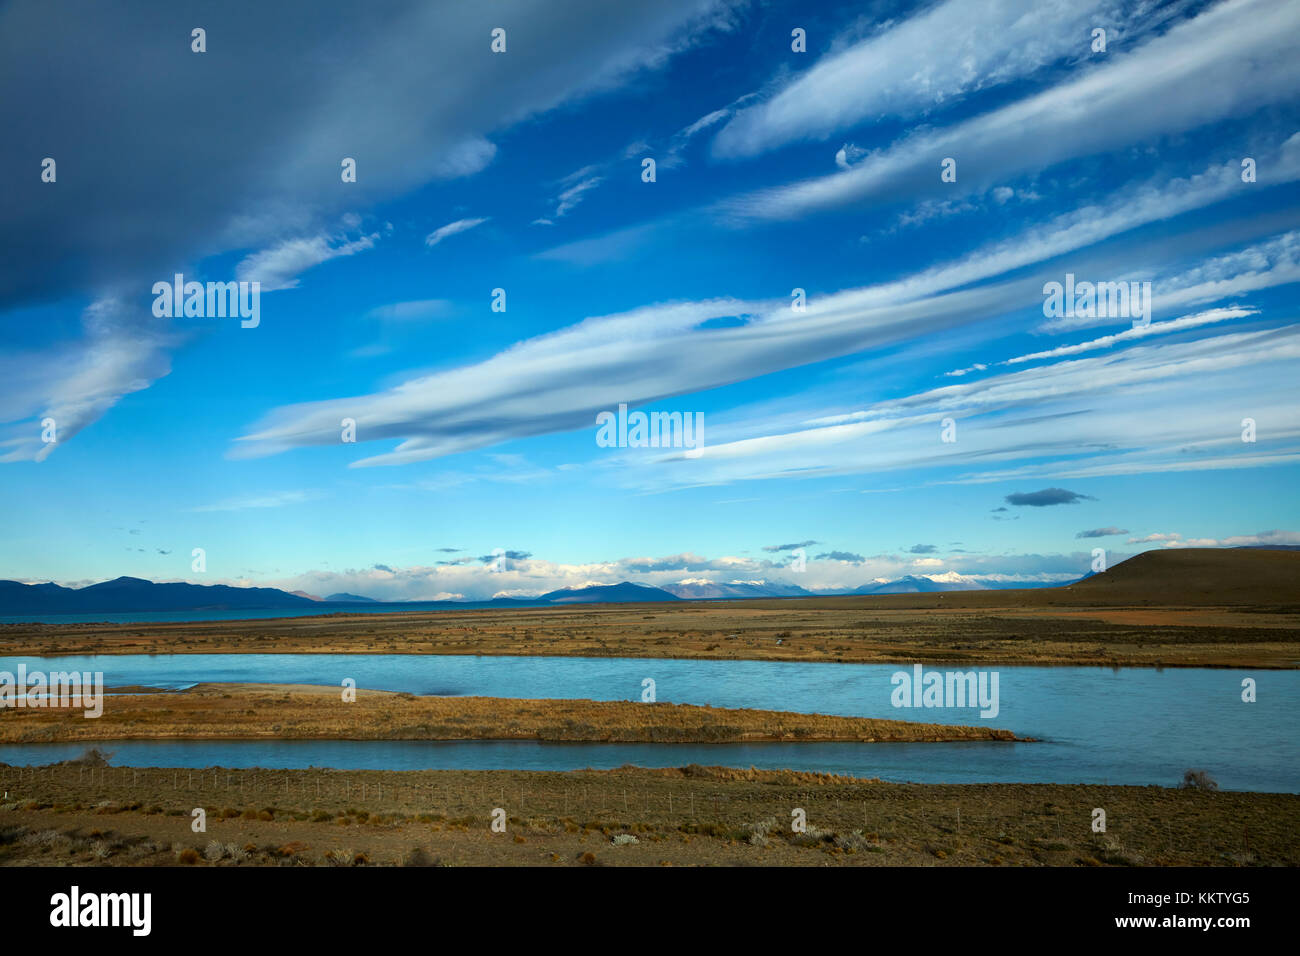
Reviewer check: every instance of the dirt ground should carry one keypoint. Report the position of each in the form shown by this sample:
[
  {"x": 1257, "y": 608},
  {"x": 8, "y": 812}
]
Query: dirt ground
[{"x": 86, "y": 815}]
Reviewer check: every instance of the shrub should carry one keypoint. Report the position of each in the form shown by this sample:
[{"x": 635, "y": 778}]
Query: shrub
[
  {"x": 214, "y": 851},
  {"x": 418, "y": 857},
  {"x": 92, "y": 757},
  {"x": 1198, "y": 780},
  {"x": 758, "y": 831},
  {"x": 852, "y": 842},
  {"x": 188, "y": 855},
  {"x": 625, "y": 839},
  {"x": 810, "y": 837}
]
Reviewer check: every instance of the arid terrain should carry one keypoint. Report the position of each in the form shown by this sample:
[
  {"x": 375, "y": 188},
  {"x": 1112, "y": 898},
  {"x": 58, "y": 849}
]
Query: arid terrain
[
  {"x": 1186, "y": 608},
  {"x": 88, "y": 815},
  {"x": 300, "y": 713}
]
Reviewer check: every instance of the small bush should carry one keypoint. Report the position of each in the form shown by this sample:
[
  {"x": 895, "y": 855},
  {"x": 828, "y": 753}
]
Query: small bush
[
  {"x": 1198, "y": 780},
  {"x": 418, "y": 857},
  {"x": 851, "y": 842},
  {"x": 188, "y": 855}
]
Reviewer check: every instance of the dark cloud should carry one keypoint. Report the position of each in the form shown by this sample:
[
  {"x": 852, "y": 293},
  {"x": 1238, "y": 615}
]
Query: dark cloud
[
  {"x": 1048, "y": 496},
  {"x": 841, "y": 556},
  {"x": 384, "y": 567},
  {"x": 449, "y": 550},
  {"x": 788, "y": 547},
  {"x": 511, "y": 555},
  {"x": 1101, "y": 532},
  {"x": 922, "y": 549},
  {"x": 167, "y": 158}
]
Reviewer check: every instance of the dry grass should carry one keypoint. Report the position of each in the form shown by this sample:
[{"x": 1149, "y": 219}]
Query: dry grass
[
  {"x": 295, "y": 712},
  {"x": 685, "y": 816},
  {"x": 985, "y": 628}
]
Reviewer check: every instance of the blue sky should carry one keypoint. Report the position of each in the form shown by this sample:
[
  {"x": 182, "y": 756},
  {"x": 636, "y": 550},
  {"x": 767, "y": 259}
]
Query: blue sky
[{"x": 523, "y": 170}]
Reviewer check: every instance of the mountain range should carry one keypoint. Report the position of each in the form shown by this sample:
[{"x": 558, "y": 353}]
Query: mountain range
[
  {"x": 1140, "y": 577},
  {"x": 127, "y": 594}
]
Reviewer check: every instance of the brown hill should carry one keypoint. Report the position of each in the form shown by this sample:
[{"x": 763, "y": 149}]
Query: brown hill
[{"x": 1196, "y": 577}]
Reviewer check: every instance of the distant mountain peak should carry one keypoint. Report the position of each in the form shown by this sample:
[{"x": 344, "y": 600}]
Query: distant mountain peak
[
  {"x": 623, "y": 592},
  {"x": 345, "y": 597}
]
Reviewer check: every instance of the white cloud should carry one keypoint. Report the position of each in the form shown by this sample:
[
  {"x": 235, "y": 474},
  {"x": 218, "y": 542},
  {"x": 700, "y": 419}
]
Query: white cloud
[
  {"x": 451, "y": 229},
  {"x": 1170, "y": 406},
  {"x": 279, "y": 266},
  {"x": 673, "y": 348},
  {"x": 534, "y": 576},
  {"x": 1274, "y": 539},
  {"x": 1238, "y": 56},
  {"x": 848, "y": 154},
  {"x": 1136, "y": 332},
  {"x": 410, "y": 311},
  {"x": 573, "y": 195},
  {"x": 275, "y": 499},
  {"x": 125, "y": 349},
  {"x": 949, "y": 50}
]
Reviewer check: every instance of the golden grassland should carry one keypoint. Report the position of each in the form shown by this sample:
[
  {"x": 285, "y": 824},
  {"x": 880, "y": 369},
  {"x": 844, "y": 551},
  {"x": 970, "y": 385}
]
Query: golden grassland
[
  {"x": 88, "y": 814},
  {"x": 292, "y": 712},
  {"x": 1192, "y": 607},
  {"x": 925, "y": 628}
]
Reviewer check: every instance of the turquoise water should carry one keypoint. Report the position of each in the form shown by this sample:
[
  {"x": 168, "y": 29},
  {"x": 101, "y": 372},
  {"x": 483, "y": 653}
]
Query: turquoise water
[{"x": 1094, "y": 725}]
